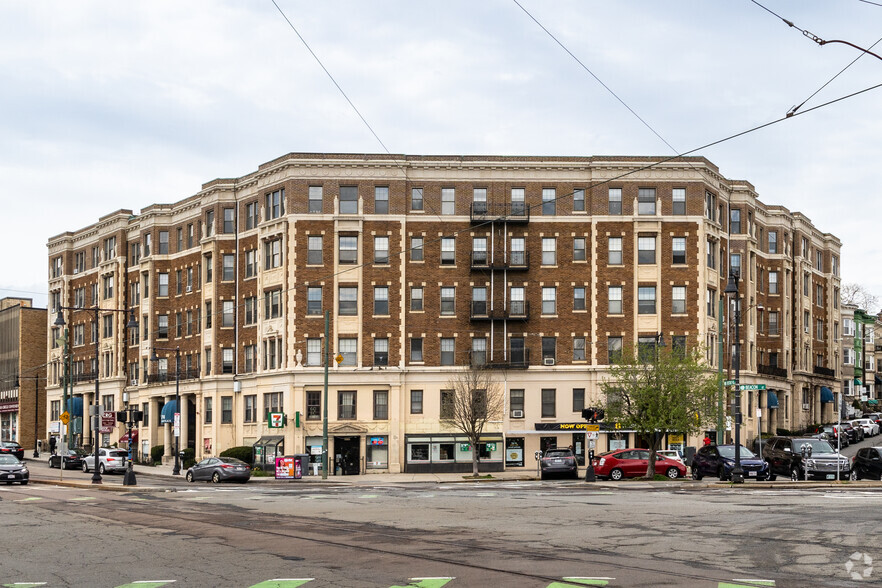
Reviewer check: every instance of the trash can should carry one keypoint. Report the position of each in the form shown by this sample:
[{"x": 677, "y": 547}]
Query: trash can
[{"x": 301, "y": 460}]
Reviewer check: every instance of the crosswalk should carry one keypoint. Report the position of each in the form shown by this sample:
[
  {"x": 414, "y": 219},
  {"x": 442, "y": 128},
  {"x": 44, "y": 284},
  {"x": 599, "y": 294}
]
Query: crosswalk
[{"x": 427, "y": 582}]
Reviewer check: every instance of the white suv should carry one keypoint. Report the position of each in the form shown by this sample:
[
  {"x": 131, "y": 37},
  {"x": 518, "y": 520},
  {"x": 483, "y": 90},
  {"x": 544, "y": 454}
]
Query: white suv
[{"x": 110, "y": 460}]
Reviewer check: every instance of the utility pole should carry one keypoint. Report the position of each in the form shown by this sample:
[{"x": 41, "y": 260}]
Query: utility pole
[{"x": 720, "y": 420}]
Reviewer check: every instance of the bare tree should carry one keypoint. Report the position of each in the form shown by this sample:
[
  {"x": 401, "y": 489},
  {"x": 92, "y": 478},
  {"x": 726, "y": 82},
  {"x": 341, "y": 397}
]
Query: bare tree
[
  {"x": 858, "y": 295},
  {"x": 473, "y": 399}
]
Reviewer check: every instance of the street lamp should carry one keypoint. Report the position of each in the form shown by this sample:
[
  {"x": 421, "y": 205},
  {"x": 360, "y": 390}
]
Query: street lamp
[
  {"x": 177, "y": 425},
  {"x": 732, "y": 288},
  {"x": 132, "y": 324}
]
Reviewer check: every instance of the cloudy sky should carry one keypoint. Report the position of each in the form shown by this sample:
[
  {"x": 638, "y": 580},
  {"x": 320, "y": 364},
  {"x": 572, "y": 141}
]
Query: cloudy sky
[{"x": 109, "y": 105}]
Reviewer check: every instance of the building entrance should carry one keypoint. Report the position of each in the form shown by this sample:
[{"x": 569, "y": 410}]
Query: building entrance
[{"x": 347, "y": 453}]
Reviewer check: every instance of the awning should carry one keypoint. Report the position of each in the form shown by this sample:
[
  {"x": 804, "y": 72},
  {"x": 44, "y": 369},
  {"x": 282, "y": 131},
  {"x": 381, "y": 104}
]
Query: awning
[
  {"x": 857, "y": 382},
  {"x": 168, "y": 412},
  {"x": 872, "y": 401},
  {"x": 826, "y": 394},
  {"x": 772, "y": 399},
  {"x": 269, "y": 441},
  {"x": 878, "y": 381},
  {"x": 125, "y": 438},
  {"x": 75, "y": 406}
]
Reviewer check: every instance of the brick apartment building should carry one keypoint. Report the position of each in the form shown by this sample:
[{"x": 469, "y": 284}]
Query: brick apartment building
[
  {"x": 22, "y": 372},
  {"x": 539, "y": 266}
]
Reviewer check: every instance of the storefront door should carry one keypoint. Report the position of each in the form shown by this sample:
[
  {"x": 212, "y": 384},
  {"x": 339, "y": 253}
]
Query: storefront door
[{"x": 347, "y": 452}]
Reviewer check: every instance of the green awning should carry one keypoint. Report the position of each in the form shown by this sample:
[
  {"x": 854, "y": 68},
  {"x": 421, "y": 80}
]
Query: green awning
[{"x": 872, "y": 401}]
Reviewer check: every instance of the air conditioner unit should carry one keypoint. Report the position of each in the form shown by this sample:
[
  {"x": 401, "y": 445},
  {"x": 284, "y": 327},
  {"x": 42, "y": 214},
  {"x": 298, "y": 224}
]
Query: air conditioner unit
[
  {"x": 805, "y": 407},
  {"x": 76, "y": 270},
  {"x": 517, "y": 414},
  {"x": 548, "y": 361},
  {"x": 134, "y": 381}
]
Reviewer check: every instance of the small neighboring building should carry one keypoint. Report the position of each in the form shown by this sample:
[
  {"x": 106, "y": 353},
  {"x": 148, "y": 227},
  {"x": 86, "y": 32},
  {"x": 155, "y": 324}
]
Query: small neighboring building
[
  {"x": 22, "y": 371},
  {"x": 860, "y": 378}
]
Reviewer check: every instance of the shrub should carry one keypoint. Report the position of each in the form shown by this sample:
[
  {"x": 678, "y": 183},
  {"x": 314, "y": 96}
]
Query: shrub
[
  {"x": 156, "y": 453},
  {"x": 189, "y": 459},
  {"x": 243, "y": 452}
]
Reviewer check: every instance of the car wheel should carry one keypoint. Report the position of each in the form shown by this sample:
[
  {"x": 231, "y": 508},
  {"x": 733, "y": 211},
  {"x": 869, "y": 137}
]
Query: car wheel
[
  {"x": 696, "y": 473},
  {"x": 854, "y": 476},
  {"x": 722, "y": 474},
  {"x": 189, "y": 476},
  {"x": 772, "y": 477},
  {"x": 616, "y": 475},
  {"x": 215, "y": 477},
  {"x": 673, "y": 473},
  {"x": 794, "y": 475},
  {"x": 101, "y": 468},
  {"x": 24, "y": 483},
  {"x": 50, "y": 463},
  {"x": 85, "y": 467}
]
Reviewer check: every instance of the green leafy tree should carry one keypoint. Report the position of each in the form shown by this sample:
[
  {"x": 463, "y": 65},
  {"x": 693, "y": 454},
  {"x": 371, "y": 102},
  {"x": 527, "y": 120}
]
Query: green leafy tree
[
  {"x": 654, "y": 390},
  {"x": 473, "y": 399}
]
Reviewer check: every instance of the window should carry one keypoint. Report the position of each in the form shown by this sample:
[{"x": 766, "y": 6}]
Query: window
[
  {"x": 381, "y": 250},
  {"x": 314, "y": 300},
  {"x": 549, "y": 202},
  {"x": 162, "y": 326},
  {"x": 209, "y": 268},
  {"x": 579, "y": 349},
  {"x": 381, "y": 405},
  {"x": 416, "y": 199},
  {"x": 579, "y": 298},
  {"x": 107, "y": 283},
  {"x": 272, "y": 254},
  {"x": 711, "y": 254},
  {"x": 579, "y": 200},
  {"x": 615, "y": 300},
  {"x": 548, "y": 402},
  {"x": 448, "y": 250},
  {"x": 162, "y": 291},
  {"x": 735, "y": 220},
  {"x": 549, "y": 300},
  {"x": 163, "y": 242},
  {"x": 773, "y": 282},
  {"x": 448, "y": 301},
  {"x": 848, "y": 327},
  {"x": 348, "y": 249},
  {"x": 416, "y": 402},
  {"x": 109, "y": 248},
  {"x": 549, "y": 348},
  {"x": 645, "y": 250},
  {"x": 518, "y": 206},
  {"x": 381, "y": 351},
  {"x": 416, "y": 299},
  {"x": 678, "y": 248},
  {"x": 615, "y": 201},
  {"x": 448, "y": 201},
  {"x": 479, "y": 200},
  {"x": 348, "y": 347},
  {"x": 479, "y": 251},
  {"x": 834, "y": 265},
  {"x": 80, "y": 297},
  {"x": 479, "y": 351},
  {"x": 227, "y": 313},
  {"x": 274, "y": 204},
  {"x": 773, "y": 242},
  {"x": 447, "y": 404},
  {"x": 579, "y": 249},
  {"x": 316, "y": 196},
  {"x": 250, "y": 313},
  {"x": 227, "y": 360},
  {"x": 735, "y": 263},
  {"x": 314, "y": 248},
  {"x": 251, "y": 408},
  {"x": 272, "y": 304},
  {"x": 819, "y": 295},
  {"x": 209, "y": 223},
  {"x": 209, "y": 413},
  {"x": 806, "y": 320},
  {"x": 96, "y": 257},
  {"x": 381, "y": 300},
  {"x": 773, "y": 322},
  {"x": 479, "y": 301},
  {"x": 80, "y": 260},
  {"x": 107, "y": 326},
  {"x": 448, "y": 347},
  {"x": 518, "y": 305},
  {"x": 251, "y": 221},
  {"x": 229, "y": 271},
  {"x": 646, "y": 300},
  {"x": 646, "y": 201},
  {"x": 346, "y": 404},
  {"x": 416, "y": 249},
  {"x": 819, "y": 260},
  {"x": 518, "y": 351},
  {"x": 416, "y": 349},
  {"x": 208, "y": 361},
  {"x": 516, "y": 401},
  {"x": 549, "y": 251},
  {"x": 79, "y": 335},
  {"x": 679, "y": 199},
  {"x": 678, "y": 300},
  {"x": 188, "y": 286},
  {"x": 847, "y": 356},
  {"x": 229, "y": 224},
  {"x": 313, "y": 352},
  {"x": 820, "y": 329},
  {"x": 250, "y": 358},
  {"x": 806, "y": 279},
  {"x": 348, "y": 300},
  {"x": 226, "y": 410},
  {"x": 381, "y": 200},
  {"x": 518, "y": 251},
  {"x": 615, "y": 251}
]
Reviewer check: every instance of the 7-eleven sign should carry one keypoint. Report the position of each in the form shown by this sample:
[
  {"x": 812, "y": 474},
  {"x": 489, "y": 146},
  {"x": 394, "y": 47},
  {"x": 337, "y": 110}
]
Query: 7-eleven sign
[{"x": 276, "y": 420}]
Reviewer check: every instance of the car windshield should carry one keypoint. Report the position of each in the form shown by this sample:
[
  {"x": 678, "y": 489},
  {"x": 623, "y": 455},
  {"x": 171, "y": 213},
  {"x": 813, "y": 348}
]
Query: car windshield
[
  {"x": 8, "y": 460},
  {"x": 557, "y": 453},
  {"x": 818, "y": 445},
  {"x": 728, "y": 452},
  {"x": 11, "y": 445}
]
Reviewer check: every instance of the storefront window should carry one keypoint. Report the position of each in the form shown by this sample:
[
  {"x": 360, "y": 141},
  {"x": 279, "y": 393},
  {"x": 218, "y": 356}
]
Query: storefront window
[
  {"x": 419, "y": 452},
  {"x": 443, "y": 452},
  {"x": 514, "y": 452},
  {"x": 377, "y": 453}
]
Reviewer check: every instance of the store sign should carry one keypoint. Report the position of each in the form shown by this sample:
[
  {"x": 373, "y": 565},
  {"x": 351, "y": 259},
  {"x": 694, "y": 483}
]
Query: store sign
[
  {"x": 491, "y": 446},
  {"x": 575, "y": 426},
  {"x": 464, "y": 447},
  {"x": 276, "y": 420},
  {"x": 378, "y": 440},
  {"x": 108, "y": 421},
  {"x": 675, "y": 438}
]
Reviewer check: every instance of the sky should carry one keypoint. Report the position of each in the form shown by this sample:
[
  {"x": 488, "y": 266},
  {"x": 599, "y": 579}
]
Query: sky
[{"x": 108, "y": 105}]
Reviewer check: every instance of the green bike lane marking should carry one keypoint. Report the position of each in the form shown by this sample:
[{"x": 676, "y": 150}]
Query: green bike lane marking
[
  {"x": 146, "y": 584},
  {"x": 425, "y": 582},
  {"x": 24, "y": 584},
  {"x": 581, "y": 581},
  {"x": 746, "y": 583},
  {"x": 28, "y": 499},
  {"x": 283, "y": 583}
]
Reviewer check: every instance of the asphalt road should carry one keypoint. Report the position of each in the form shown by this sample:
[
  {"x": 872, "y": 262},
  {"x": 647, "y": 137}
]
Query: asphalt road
[{"x": 530, "y": 534}]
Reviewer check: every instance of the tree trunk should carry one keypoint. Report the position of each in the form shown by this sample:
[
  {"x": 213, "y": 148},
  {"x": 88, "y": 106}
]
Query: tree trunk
[
  {"x": 475, "y": 463},
  {"x": 653, "y": 447}
]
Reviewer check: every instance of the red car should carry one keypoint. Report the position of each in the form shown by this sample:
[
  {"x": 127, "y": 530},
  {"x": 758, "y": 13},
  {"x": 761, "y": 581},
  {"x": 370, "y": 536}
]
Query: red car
[{"x": 632, "y": 463}]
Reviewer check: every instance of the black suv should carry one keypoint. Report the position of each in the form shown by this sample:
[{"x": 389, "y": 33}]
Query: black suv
[
  {"x": 784, "y": 455},
  {"x": 867, "y": 464}
]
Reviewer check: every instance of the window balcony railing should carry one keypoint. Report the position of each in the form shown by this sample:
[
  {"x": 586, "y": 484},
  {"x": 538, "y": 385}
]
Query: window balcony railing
[
  {"x": 772, "y": 370},
  {"x": 514, "y": 212},
  {"x": 517, "y": 360},
  {"x": 822, "y": 371}
]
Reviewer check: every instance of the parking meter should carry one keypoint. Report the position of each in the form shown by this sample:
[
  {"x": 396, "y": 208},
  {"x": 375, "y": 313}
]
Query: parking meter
[
  {"x": 537, "y": 456},
  {"x": 806, "y": 449}
]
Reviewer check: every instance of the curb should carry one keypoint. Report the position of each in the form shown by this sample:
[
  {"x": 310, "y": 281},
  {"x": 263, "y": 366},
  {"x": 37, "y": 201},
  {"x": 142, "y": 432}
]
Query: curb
[{"x": 101, "y": 487}]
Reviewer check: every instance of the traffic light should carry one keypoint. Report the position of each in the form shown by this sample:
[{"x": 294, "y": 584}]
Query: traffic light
[
  {"x": 592, "y": 415},
  {"x": 121, "y": 416},
  {"x": 137, "y": 416}
]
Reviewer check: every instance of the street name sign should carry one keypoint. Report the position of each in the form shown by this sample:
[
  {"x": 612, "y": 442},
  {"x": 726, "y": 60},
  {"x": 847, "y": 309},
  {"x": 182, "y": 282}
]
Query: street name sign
[{"x": 752, "y": 387}]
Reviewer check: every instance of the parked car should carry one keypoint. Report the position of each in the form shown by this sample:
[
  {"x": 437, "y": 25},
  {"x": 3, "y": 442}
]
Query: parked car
[
  {"x": 871, "y": 429},
  {"x": 73, "y": 460},
  {"x": 831, "y": 434},
  {"x": 12, "y": 448},
  {"x": 867, "y": 464},
  {"x": 109, "y": 460},
  {"x": 632, "y": 463},
  {"x": 719, "y": 461},
  {"x": 876, "y": 417},
  {"x": 784, "y": 455},
  {"x": 855, "y": 434},
  {"x": 558, "y": 461},
  {"x": 671, "y": 454},
  {"x": 13, "y": 470},
  {"x": 219, "y": 469}
]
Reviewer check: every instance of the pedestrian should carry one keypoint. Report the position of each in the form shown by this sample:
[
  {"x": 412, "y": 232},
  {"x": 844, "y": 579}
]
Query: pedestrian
[
  {"x": 52, "y": 445},
  {"x": 707, "y": 441}
]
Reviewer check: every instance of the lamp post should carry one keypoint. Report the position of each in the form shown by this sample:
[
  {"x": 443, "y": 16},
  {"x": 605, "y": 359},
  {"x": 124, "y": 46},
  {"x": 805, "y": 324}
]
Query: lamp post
[
  {"x": 732, "y": 288},
  {"x": 177, "y": 424},
  {"x": 659, "y": 342},
  {"x": 132, "y": 324}
]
